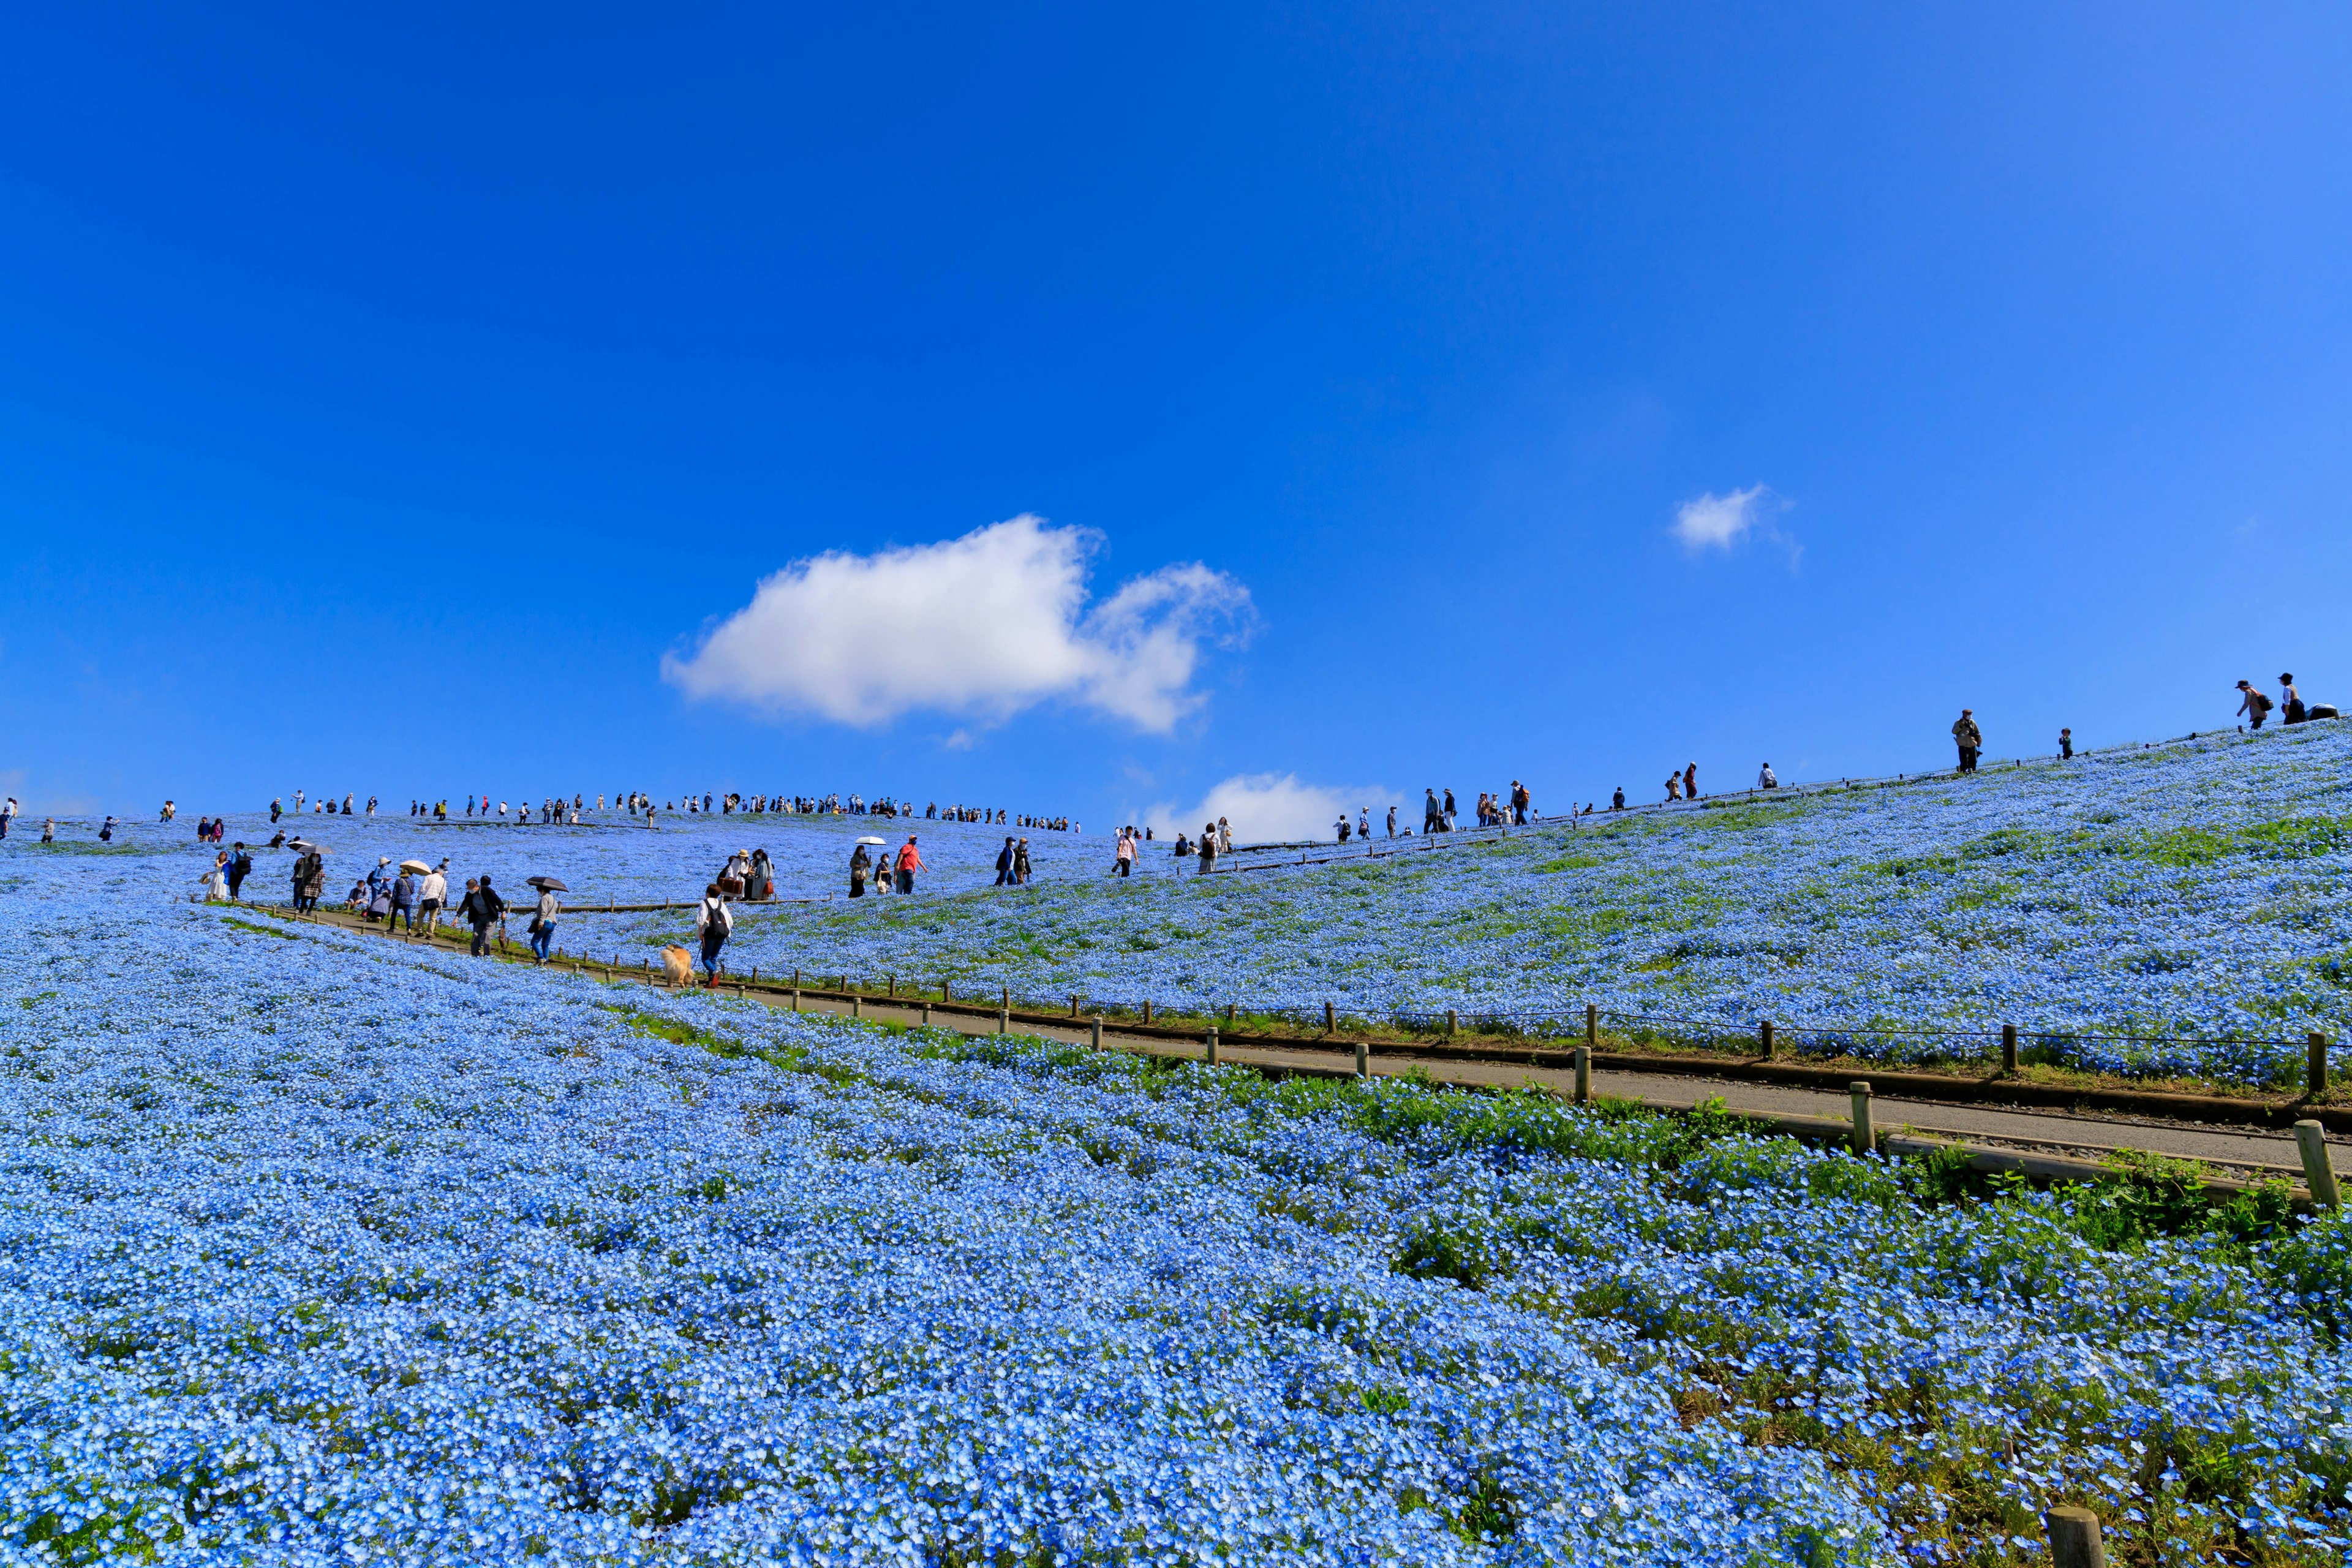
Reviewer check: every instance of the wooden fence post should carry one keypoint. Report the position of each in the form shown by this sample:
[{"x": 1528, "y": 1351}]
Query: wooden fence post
[
  {"x": 1764, "y": 1039},
  {"x": 856, "y": 1005},
  {"x": 2074, "y": 1539},
  {"x": 1583, "y": 1074},
  {"x": 1210, "y": 1055},
  {"x": 1003, "y": 1019},
  {"x": 1865, "y": 1138},
  {"x": 2315, "y": 1072},
  {"x": 1097, "y": 1031},
  {"x": 894, "y": 983},
  {"x": 927, "y": 1015},
  {"x": 1330, "y": 1027},
  {"x": 1452, "y": 1021},
  {"x": 1363, "y": 1060},
  {"x": 2008, "y": 1049},
  {"x": 1147, "y": 1009},
  {"x": 1591, "y": 1024},
  {"x": 2318, "y": 1173},
  {"x": 796, "y": 998}
]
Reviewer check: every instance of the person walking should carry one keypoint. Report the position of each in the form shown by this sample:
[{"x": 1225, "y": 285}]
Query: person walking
[
  {"x": 431, "y": 894},
  {"x": 106, "y": 830},
  {"x": 542, "y": 922},
  {"x": 2065, "y": 742},
  {"x": 2255, "y": 708},
  {"x": 861, "y": 862},
  {"x": 1340, "y": 829},
  {"x": 1690, "y": 781},
  {"x": 910, "y": 860},
  {"x": 1004, "y": 863},
  {"x": 1432, "y": 819},
  {"x": 2291, "y": 709},
  {"x": 1364, "y": 823},
  {"x": 48, "y": 830},
  {"x": 1451, "y": 815},
  {"x": 1208, "y": 848},
  {"x": 1674, "y": 786},
  {"x": 240, "y": 867},
  {"x": 1969, "y": 738},
  {"x": 403, "y": 902},
  {"x": 7, "y": 815},
  {"x": 1020, "y": 864},
  {"x": 716, "y": 922},
  {"x": 1124, "y": 855},
  {"x": 488, "y": 909},
  {"x": 1224, "y": 837}
]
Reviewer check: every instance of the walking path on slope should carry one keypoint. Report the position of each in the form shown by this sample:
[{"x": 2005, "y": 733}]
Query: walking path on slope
[{"x": 2049, "y": 1142}]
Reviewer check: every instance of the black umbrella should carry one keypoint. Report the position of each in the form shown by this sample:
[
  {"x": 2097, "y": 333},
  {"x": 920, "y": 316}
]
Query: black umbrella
[{"x": 551, "y": 884}]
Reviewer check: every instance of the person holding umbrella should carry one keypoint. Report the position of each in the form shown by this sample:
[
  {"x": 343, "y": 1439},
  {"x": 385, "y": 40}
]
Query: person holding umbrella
[
  {"x": 542, "y": 923},
  {"x": 403, "y": 899}
]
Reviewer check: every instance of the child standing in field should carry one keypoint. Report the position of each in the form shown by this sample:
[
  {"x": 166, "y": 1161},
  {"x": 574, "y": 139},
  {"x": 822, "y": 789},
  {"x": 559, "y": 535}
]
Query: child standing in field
[{"x": 2065, "y": 742}]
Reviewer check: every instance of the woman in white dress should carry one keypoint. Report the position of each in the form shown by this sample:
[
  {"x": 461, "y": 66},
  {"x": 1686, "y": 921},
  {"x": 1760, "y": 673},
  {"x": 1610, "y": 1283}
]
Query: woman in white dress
[{"x": 216, "y": 881}]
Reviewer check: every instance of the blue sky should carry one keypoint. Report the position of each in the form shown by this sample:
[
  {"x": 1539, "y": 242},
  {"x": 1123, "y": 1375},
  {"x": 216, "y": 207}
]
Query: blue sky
[{"x": 397, "y": 404}]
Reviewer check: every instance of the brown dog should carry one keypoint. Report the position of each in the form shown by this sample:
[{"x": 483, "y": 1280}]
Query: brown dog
[{"x": 679, "y": 964}]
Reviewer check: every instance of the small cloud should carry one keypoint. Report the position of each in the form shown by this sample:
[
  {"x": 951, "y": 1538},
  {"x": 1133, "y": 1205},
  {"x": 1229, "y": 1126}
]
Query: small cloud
[
  {"x": 1266, "y": 807},
  {"x": 980, "y": 628},
  {"x": 1720, "y": 521},
  {"x": 959, "y": 740}
]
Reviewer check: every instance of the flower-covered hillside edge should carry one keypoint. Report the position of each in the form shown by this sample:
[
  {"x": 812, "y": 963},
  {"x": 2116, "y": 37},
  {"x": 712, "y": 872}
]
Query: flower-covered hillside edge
[{"x": 321, "y": 1250}]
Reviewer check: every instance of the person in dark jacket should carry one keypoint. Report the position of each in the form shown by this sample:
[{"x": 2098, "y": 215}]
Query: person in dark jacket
[
  {"x": 483, "y": 908},
  {"x": 240, "y": 867},
  {"x": 860, "y": 864},
  {"x": 1004, "y": 863},
  {"x": 403, "y": 902}
]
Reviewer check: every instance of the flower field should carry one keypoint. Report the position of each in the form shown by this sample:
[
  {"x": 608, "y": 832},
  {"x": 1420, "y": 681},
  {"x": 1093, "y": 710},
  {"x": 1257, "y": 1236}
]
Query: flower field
[
  {"x": 324, "y": 1250},
  {"x": 2180, "y": 910}
]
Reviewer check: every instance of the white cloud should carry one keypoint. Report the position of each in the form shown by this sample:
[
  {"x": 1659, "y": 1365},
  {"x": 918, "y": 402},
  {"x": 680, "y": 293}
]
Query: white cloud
[
  {"x": 981, "y": 626},
  {"x": 1718, "y": 520},
  {"x": 1266, "y": 807}
]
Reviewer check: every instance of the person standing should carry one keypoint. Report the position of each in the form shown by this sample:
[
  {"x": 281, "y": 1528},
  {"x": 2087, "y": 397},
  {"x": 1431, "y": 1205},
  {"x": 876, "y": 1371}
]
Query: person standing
[
  {"x": 1969, "y": 738},
  {"x": 483, "y": 909},
  {"x": 1208, "y": 848},
  {"x": 240, "y": 867},
  {"x": 2291, "y": 709},
  {"x": 1224, "y": 837},
  {"x": 2065, "y": 742},
  {"x": 1617, "y": 801},
  {"x": 48, "y": 830},
  {"x": 277, "y": 805},
  {"x": 716, "y": 922},
  {"x": 1690, "y": 781},
  {"x": 431, "y": 894},
  {"x": 860, "y": 862},
  {"x": 1431, "y": 817},
  {"x": 403, "y": 901},
  {"x": 1004, "y": 862},
  {"x": 910, "y": 860},
  {"x": 542, "y": 922},
  {"x": 1124, "y": 855},
  {"x": 1451, "y": 815},
  {"x": 1392, "y": 822},
  {"x": 106, "y": 830},
  {"x": 1020, "y": 864},
  {"x": 169, "y": 811},
  {"x": 7, "y": 815},
  {"x": 1364, "y": 823},
  {"x": 216, "y": 879}
]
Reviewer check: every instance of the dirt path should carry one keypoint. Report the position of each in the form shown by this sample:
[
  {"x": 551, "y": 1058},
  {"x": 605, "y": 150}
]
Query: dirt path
[{"x": 2040, "y": 1136}]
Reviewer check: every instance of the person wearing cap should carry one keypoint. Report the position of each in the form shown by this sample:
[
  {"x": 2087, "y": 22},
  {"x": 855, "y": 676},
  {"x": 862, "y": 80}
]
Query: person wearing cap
[
  {"x": 1969, "y": 738},
  {"x": 2256, "y": 706},
  {"x": 910, "y": 860}
]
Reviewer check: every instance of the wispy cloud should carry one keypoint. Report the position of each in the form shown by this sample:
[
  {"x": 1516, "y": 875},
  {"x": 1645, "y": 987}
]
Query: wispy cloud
[
  {"x": 1268, "y": 806},
  {"x": 977, "y": 628},
  {"x": 1721, "y": 521}
]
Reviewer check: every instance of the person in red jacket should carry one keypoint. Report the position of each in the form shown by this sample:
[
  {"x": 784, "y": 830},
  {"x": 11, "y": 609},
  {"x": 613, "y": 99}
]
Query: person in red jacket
[{"x": 910, "y": 860}]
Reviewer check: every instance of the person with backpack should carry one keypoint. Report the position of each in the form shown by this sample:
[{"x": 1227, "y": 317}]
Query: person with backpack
[
  {"x": 240, "y": 867},
  {"x": 716, "y": 922},
  {"x": 1208, "y": 850},
  {"x": 2255, "y": 708}
]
